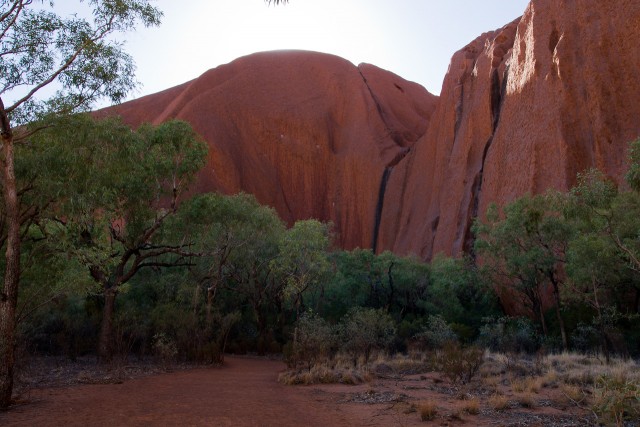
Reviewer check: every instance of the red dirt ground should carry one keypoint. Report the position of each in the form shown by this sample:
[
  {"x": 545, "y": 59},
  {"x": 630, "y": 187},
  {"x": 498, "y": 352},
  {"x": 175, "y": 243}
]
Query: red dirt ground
[{"x": 245, "y": 392}]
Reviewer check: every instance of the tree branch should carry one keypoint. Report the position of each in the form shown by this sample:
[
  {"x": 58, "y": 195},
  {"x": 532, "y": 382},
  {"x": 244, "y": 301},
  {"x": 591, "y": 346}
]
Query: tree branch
[{"x": 98, "y": 34}]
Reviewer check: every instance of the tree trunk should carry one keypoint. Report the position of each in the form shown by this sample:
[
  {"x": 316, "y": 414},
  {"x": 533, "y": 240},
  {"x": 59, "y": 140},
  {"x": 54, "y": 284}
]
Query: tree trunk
[
  {"x": 556, "y": 296},
  {"x": 7, "y": 345},
  {"x": 105, "y": 342},
  {"x": 211, "y": 296},
  {"x": 9, "y": 295}
]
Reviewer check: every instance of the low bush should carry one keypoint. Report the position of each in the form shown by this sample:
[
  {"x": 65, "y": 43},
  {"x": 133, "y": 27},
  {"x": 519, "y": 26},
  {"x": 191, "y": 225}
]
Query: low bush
[
  {"x": 616, "y": 400},
  {"x": 427, "y": 411},
  {"x": 472, "y": 406},
  {"x": 313, "y": 341},
  {"x": 459, "y": 364},
  {"x": 505, "y": 334},
  {"x": 498, "y": 402},
  {"x": 164, "y": 348},
  {"x": 436, "y": 333}
]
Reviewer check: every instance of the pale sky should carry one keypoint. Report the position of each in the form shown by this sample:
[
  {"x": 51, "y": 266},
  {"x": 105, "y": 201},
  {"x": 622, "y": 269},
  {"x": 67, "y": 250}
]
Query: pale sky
[{"x": 412, "y": 38}]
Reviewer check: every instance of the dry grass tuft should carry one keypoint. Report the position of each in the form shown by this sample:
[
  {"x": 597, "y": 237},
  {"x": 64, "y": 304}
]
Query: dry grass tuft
[
  {"x": 533, "y": 384},
  {"x": 518, "y": 385},
  {"x": 427, "y": 410},
  {"x": 498, "y": 402},
  {"x": 573, "y": 394},
  {"x": 526, "y": 400},
  {"x": 550, "y": 379},
  {"x": 472, "y": 406}
]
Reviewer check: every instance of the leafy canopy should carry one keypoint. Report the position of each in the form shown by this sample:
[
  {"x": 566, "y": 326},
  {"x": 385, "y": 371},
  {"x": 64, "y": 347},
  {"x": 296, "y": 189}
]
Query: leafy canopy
[{"x": 38, "y": 46}]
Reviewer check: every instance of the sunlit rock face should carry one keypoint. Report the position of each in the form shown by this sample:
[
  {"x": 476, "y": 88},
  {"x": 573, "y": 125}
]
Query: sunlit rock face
[
  {"x": 307, "y": 133},
  {"x": 522, "y": 109}
]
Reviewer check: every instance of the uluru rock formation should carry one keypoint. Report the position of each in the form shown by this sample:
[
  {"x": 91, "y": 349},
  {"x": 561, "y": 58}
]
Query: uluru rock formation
[
  {"x": 522, "y": 109},
  {"x": 307, "y": 133}
]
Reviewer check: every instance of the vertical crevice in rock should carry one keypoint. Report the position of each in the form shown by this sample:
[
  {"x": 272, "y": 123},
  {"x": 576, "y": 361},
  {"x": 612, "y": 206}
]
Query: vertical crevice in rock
[
  {"x": 378, "y": 215},
  {"x": 497, "y": 97},
  {"x": 395, "y": 136},
  {"x": 459, "y": 111}
]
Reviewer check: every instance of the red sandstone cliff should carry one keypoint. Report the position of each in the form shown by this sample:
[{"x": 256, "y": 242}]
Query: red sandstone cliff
[
  {"x": 522, "y": 109},
  {"x": 307, "y": 133}
]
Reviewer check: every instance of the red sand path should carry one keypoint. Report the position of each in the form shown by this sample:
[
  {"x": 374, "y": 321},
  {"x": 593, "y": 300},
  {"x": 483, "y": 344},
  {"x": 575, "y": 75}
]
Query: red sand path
[{"x": 242, "y": 393}]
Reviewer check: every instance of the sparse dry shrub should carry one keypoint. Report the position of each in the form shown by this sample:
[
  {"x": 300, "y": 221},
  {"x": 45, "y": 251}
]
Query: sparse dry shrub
[
  {"x": 472, "y": 406},
  {"x": 351, "y": 377},
  {"x": 324, "y": 374},
  {"x": 527, "y": 384},
  {"x": 526, "y": 400},
  {"x": 498, "y": 402},
  {"x": 491, "y": 382},
  {"x": 493, "y": 365},
  {"x": 616, "y": 400},
  {"x": 550, "y": 379},
  {"x": 399, "y": 365},
  {"x": 518, "y": 385},
  {"x": 573, "y": 394},
  {"x": 534, "y": 384},
  {"x": 460, "y": 364},
  {"x": 427, "y": 410}
]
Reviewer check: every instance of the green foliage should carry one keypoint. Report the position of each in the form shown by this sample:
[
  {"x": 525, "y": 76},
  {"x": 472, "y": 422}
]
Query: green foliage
[
  {"x": 303, "y": 261},
  {"x": 525, "y": 250},
  {"x": 608, "y": 222},
  {"x": 314, "y": 340},
  {"x": 633, "y": 174},
  {"x": 436, "y": 333},
  {"x": 616, "y": 400},
  {"x": 509, "y": 335},
  {"x": 39, "y": 46},
  {"x": 364, "y": 330},
  {"x": 460, "y": 295}
]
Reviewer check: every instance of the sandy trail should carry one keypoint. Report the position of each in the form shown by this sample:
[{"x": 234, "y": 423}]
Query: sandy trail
[{"x": 242, "y": 393}]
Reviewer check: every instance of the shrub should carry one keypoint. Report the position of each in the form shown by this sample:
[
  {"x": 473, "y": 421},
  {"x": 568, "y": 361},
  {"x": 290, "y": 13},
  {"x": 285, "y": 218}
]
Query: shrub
[
  {"x": 472, "y": 406},
  {"x": 526, "y": 400},
  {"x": 428, "y": 411},
  {"x": 616, "y": 400},
  {"x": 585, "y": 338},
  {"x": 313, "y": 340},
  {"x": 436, "y": 334},
  {"x": 498, "y": 402},
  {"x": 511, "y": 335},
  {"x": 366, "y": 329},
  {"x": 164, "y": 348},
  {"x": 572, "y": 393},
  {"x": 459, "y": 364}
]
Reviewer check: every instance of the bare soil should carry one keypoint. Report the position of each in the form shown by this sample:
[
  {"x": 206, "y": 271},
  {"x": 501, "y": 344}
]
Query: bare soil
[{"x": 245, "y": 392}]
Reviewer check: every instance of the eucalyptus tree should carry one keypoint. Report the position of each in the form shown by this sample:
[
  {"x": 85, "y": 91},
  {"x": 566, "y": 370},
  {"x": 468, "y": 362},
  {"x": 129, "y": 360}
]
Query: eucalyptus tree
[
  {"x": 303, "y": 259},
  {"x": 526, "y": 250},
  {"x": 124, "y": 185},
  {"x": 40, "y": 48},
  {"x": 236, "y": 239},
  {"x": 603, "y": 265}
]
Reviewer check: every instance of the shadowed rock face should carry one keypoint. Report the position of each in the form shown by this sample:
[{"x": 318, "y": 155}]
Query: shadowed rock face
[
  {"x": 522, "y": 109},
  {"x": 307, "y": 133}
]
